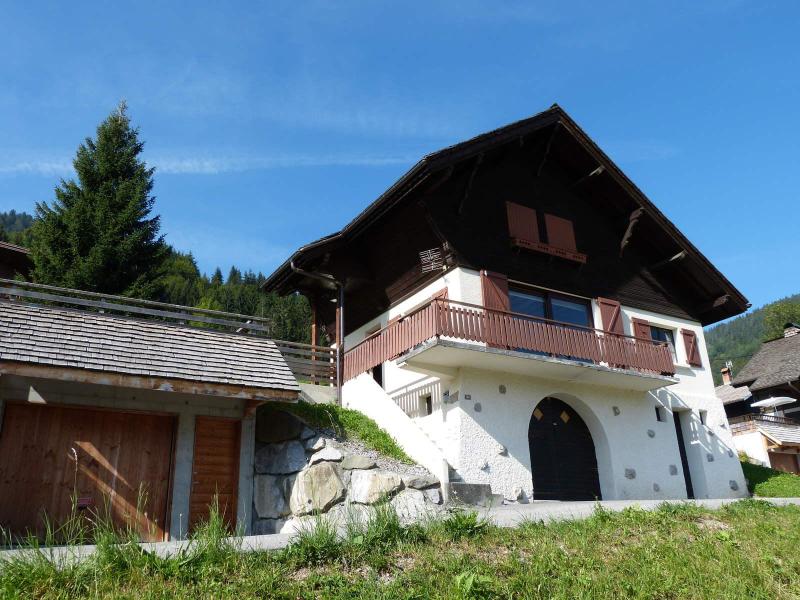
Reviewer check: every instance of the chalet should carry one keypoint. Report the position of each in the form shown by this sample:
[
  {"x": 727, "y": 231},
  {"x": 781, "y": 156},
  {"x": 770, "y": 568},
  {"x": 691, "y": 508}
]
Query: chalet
[
  {"x": 13, "y": 260},
  {"x": 116, "y": 404},
  {"x": 527, "y": 323},
  {"x": 765, "y": 420}
]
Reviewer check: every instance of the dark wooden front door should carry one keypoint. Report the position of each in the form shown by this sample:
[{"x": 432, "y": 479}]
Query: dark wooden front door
[
  {"x": 563, "y": 459},
  {"x": 215, "y": 469},
  {"x": 687, "y": 476},
  {"x": 55, "y": 460}
]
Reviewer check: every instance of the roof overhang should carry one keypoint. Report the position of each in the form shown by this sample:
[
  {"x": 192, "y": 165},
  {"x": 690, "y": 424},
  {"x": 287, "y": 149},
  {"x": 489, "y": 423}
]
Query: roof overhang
[
  {"x": 159, "y": 384},
  {"x": 729, "y": 302}
]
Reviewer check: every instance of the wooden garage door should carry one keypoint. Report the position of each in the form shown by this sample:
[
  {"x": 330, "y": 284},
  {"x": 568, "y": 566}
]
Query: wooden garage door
[
  {"x": 782, "y": 461},
  {"x": 54, "y": 459},
  {"x": 215, "y": 471}
]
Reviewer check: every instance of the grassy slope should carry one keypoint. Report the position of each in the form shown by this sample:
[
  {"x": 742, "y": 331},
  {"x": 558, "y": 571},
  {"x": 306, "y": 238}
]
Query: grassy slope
[
  {"x": 748, "y": 550},
  {"x": 349, "y": 423},
  {"x": 769, "y": 483}
]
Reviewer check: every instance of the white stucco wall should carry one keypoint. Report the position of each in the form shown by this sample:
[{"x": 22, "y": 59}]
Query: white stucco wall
[
  {"x": 752, "y": 443},
  {"x": 491, "y": 445}
]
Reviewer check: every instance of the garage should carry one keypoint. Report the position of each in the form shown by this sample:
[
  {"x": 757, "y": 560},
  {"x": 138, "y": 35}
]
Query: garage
[{"x": 56, "y": 458}]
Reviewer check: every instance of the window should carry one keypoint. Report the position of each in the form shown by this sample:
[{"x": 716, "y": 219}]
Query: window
[
  {"x": 703, "y": 415},
  {"x": 659, "y": 334},
  {"x": 661, "y": 414},
  {"x": 426, "y": 404},
  {"x": 547, "y": 305}
]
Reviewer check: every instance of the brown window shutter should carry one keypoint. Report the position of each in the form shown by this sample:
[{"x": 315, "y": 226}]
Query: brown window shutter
[
  {"x": 560, "y": 233},
  {"x": 522, "y": 222},
  {"x": 611, "y": 315},
  {"x": 641, "y": 329},
  {"x": 495, "y": 290},
  {"x": 692, "y": 348}
]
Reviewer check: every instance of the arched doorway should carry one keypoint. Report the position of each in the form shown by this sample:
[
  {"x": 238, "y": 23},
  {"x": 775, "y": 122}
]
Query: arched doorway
[{"x": 563, "y": 461}]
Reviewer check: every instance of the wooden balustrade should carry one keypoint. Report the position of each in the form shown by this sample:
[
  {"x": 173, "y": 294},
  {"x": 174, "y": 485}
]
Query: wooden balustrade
[
  {"x": 506, "y": 330},
  {"x": 316, "y": 364},
  {"x": 744, "y": 423}
]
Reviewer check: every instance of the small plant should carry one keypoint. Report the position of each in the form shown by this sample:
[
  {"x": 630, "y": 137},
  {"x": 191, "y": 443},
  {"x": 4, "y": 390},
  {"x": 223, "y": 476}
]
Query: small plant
[
  {"x": 316, "y": 542},
  {"x": 472, "y": 585},
  {"x": 464, "y": 524}
]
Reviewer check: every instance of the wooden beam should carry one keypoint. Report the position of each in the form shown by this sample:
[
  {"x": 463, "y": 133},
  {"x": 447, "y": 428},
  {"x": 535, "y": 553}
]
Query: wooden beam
[
  {"x": 632, "y": 221},
  {"x": 546, "y": 154},
  {"x": 668, "y": 261},
  {"x": 465, "y": 197},
  {"x": 162, "y": 384},
  {"x": 716, "y": 303},
  {"x": 594, "y": 173}
]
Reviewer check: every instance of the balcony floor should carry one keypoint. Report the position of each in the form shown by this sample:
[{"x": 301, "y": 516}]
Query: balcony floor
[{"x": 441, "y": 357}]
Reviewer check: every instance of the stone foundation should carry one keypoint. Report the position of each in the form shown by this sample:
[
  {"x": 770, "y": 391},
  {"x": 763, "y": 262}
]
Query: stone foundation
[{"x": 300, "y": 472}]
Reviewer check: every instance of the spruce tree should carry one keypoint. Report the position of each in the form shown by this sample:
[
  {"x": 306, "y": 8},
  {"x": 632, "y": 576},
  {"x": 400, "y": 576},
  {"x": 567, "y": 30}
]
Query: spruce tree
[{"x": 98, "y": 233}]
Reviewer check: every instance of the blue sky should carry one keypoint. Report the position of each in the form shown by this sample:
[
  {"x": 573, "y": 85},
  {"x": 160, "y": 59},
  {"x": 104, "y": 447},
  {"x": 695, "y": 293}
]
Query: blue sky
[{"x": 274, "y": 123}]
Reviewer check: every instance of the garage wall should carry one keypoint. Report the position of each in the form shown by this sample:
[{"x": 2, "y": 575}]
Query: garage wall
[{"x": 185, "y": 406}]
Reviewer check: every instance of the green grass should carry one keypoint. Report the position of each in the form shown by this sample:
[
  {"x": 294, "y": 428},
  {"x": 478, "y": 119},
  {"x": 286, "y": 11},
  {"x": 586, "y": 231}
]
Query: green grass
[
  {"x": 769, "y": 483},
  {"x": 350, "y": 424},
  {"x": 747, "y": 550}
]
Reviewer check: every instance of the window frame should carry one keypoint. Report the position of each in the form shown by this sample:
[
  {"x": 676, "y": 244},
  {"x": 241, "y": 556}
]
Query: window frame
[
  {"x": 547, "y": 296},
  {"x": 673, "y": 347}
]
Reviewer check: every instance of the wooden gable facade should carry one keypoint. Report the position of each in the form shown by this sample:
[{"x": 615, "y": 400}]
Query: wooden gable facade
[{"x": 534, "y": 202}]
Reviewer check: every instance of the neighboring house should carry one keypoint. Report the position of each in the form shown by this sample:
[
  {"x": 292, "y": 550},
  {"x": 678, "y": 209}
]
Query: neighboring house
[
  {"x": 13, "y": 259},
  {"x": 766, "y": 421},
  {"x": 521, "y": 317},
  {"x": 151, "y": 418}
]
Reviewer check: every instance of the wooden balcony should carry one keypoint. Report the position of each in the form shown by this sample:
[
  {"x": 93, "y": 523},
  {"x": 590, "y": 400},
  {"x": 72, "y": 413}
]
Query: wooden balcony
[
  {"x": 501, "y": 330},
  {"x": 746, "y": 423}
]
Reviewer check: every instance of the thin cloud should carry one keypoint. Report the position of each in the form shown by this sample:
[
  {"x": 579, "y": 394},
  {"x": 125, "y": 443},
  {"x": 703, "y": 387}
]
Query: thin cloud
[
  {"x": 213, "y": 165},
  {"x": 37, "y": 167}
]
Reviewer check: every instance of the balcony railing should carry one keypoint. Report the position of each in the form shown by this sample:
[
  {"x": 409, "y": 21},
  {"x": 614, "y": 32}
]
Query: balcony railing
[
  {"x": 506, "y": 330},
  {"x": 750, "y": 422}
]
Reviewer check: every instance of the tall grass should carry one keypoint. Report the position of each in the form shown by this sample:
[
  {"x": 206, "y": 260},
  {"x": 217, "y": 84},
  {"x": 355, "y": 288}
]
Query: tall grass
[{"x": 747, "y": 550}]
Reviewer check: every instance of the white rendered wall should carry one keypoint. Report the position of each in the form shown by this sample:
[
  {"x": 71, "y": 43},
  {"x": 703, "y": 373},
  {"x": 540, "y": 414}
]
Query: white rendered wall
[
  {"x": 491, "y": 446},
  {"x": 752, "y": 444}
]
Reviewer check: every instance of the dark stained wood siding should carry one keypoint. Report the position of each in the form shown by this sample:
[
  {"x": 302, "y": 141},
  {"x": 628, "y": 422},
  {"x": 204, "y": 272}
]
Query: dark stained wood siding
[
  {"x": 479, "y": 235},
  {"x": 50, "y": 455},
  {"x": 215, "y": 469}
]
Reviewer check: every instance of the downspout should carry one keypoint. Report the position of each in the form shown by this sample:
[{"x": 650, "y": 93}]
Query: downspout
[{"x": 328, "y": 278}]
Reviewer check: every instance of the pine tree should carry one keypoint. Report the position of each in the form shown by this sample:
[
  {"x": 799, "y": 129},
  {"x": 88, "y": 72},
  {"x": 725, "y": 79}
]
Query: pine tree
[{"x": 98, "y": 234}]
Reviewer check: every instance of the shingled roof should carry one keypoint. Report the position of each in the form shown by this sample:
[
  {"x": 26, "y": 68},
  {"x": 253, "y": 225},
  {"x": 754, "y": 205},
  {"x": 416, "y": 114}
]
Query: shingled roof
[
  {"x": 729, "y": 394},
  {"x": 776, "y": 362},
  {"x": 60, "y": 337}
]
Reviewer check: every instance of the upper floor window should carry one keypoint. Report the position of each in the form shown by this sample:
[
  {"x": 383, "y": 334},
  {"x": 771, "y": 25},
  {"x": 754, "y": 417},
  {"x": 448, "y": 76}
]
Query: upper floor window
[
  {"x": 660, "y": 334},
  {"x": 548, "y": 305}
]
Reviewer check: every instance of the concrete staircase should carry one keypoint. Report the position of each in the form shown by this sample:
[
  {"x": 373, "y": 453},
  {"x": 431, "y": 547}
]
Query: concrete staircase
[{"x": 419, "y": 442}]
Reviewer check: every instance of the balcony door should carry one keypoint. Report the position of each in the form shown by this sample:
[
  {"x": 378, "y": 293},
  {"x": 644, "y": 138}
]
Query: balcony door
[
  {"x": 567, "y": 310},
  {"x": 549, "y": 305},
  {"x": 563, "y": 459}
]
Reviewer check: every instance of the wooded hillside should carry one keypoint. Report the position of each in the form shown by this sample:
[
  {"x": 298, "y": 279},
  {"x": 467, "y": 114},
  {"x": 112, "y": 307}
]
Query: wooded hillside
[{"x": 738, "y": 339}]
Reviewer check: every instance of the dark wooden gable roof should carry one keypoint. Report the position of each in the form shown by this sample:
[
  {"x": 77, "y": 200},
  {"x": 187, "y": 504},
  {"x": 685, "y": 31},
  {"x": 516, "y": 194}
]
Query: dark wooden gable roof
[{"x": 670, "y": 263}]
